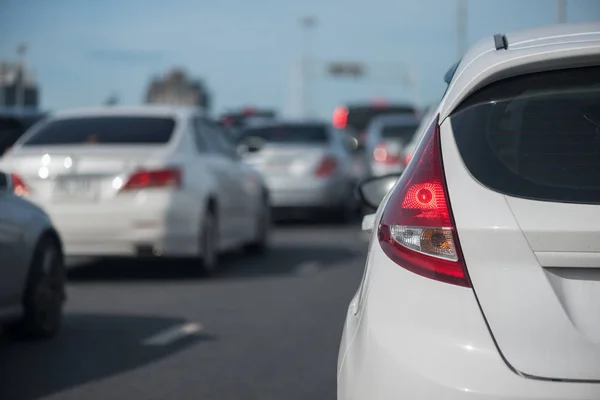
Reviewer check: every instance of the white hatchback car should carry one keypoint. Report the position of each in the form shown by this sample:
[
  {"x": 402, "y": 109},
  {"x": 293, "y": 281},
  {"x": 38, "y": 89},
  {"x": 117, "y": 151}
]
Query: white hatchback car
[
  {"x": 482, "y": 279},
  {"x": 146, "y": 181}
]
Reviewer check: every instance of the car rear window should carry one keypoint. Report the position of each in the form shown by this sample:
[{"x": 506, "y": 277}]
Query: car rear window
[
  {"x": 401, "y": 132},
  {"x": 535, "y": 136},
  {"x": 103, "y": 130},
  {"x": 296, "y": 134}
]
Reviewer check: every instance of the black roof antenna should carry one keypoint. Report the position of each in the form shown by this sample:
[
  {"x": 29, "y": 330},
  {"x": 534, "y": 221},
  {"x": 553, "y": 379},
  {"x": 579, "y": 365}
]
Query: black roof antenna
[{"x": 500, "y": 41}]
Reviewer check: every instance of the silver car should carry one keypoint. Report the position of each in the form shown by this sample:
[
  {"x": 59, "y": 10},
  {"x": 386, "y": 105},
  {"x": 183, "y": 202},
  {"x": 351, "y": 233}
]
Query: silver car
[
  {"x": 386, "y": 138},
  {"x": 32, "y": 272},
  {"x": 306, "y": 165}
]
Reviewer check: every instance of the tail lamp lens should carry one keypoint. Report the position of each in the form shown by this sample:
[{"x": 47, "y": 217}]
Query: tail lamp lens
[
  {"x": 145, "y": 179},
  {"x": 327, "y": 167},
  {"x": 417, "y": 230},
  {"x": 19, "y": 186}
]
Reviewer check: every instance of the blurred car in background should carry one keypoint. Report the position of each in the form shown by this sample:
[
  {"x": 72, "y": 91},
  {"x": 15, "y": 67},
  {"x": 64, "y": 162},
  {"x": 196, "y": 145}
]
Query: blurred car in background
[
  {"x": 233, "y": 122},
  {"x": 13, "y": 123},
  {"x": 410, "y": 147},
  {"x": 386, "y": 140},
  {"x": 149, "y": 181},
  {"x": 306, "y": 165},
  {"x": 32, "y": 271}
]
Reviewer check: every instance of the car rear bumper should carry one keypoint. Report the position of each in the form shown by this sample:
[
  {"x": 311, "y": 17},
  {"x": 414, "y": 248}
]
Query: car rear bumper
[
  {"x": 380, "y": 170},
  {"x": 160, "y": 225},
  {"x": 415, "y": 338}
]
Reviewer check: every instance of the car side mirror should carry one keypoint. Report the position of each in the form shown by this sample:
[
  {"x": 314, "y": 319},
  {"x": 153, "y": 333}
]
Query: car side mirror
[
  {"x": 372, "y": 191},
  {"x": 6, "y": 185}
]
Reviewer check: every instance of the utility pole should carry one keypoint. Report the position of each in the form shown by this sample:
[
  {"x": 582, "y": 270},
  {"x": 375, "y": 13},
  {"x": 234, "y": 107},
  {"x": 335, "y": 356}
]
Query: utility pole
[
  {"x": 21, "y": 72},
  {"x": 308, "y": 24},
  {"x": 561, "y": 10},
  {"x": 461, "y": 28}
]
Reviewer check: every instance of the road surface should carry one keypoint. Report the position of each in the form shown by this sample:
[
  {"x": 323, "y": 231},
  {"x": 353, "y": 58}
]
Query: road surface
[{"x": 266, "y": 327}]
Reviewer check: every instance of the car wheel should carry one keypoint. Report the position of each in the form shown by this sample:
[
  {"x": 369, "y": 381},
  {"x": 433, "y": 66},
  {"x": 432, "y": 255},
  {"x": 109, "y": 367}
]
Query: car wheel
[
  {"x": 209, "y": 243},
  {"x": 261, "y": 241},
  {"x": 44, "y": 294}
]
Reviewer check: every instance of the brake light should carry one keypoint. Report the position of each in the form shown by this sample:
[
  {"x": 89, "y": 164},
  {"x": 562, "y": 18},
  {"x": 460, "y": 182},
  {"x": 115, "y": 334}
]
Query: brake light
[
  {"x": 19, "y": 186},
  {"x": 383, "y": 156},
  {"x": 145, "y": 179},
  {"x": 327, "y": 167},
  {"x": 407, "y": 159},
  {"x": 417, "y": 230},
  {"x": 340, "y": 117}
]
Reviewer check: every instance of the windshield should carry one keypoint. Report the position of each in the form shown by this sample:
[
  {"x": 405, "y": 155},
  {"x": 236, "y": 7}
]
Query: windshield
[
  {"x": 103, "y": 130},
  {"x": 289, "y": 134},
  {"x": 403, "y": 133}
]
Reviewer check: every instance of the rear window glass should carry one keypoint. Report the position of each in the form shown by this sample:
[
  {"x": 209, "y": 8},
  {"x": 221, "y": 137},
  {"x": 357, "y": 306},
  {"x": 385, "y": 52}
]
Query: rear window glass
[
  {"x": 403, "y": 133},
  {"x": 535, "y": 136},
  {"x": 300, "y": 134},
  {"x": 103, "y": 130}
]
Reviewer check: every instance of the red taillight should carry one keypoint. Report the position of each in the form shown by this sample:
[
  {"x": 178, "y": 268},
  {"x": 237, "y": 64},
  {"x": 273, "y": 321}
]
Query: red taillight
[
  {"x": 340, "y": 117},
  {"x": 146, "y": 179},
  {"x": 327, "y": 167},
  {"x": 19, "y": 186},
  {"x": 417, "y": 230},
  {"x": 382, "y": 155},
  {"x": 407, "y": 159}
]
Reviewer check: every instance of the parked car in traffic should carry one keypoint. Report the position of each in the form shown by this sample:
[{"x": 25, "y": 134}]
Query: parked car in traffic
[
  {"x": 483, "y": 274},
  {"x": 149, "y": 181},
  {"x": 386, "y": 140},
  {"x": 306, "y": 165},
  {"x": 32, "y": 271}
]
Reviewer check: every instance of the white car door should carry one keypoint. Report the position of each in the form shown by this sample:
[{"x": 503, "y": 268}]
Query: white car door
[
  {"x": 13, "y": 249},
  {"x": 228, "y": 184}
]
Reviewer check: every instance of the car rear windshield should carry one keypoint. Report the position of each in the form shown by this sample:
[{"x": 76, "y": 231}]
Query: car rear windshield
[
  {"x": 535, "y": 136},
  {"x": 360, "y": 117},
  {"x": 104, "y": 130},
  {"x": 295, "y": 134},
  {"x": 400, "y": 132}
]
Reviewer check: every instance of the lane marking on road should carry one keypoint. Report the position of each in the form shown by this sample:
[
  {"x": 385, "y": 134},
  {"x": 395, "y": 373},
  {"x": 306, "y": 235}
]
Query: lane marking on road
[
  {"x": 308, "y": 267},
  {"x": 173, "y": 334}
]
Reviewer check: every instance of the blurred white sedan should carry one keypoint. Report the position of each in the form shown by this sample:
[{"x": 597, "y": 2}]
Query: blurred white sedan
[
  {"x": 32, "y": 274},
  {"x": 141, "y": 182}
]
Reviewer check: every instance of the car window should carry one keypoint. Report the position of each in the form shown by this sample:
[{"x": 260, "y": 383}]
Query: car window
[
  {"x": 200, "y": 141},
  {"x": 103, "y": 130},
  {"x": 216, "y": 139},
  {"x": 400, "y": 132},
  {"x": 10, "y": 130},
  {"x": 535, "y": 136},
  {"x": 289, "y": 134}
]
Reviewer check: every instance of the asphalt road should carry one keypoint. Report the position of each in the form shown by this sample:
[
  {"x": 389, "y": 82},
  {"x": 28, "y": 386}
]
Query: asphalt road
[{"x": 266, "y": 327}]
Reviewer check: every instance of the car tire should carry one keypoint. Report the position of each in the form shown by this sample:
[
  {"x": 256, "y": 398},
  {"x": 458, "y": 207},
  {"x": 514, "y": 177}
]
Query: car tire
[
  {"x": 209, "y": 243},
  {"x": 45, "y": 293},
  {"x": 260, "y": 244}
]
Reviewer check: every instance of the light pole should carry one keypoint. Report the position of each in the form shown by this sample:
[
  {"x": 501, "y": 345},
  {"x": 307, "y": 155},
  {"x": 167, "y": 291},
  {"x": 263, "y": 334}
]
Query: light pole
[
  {"x": 20, "y": 81},
  {"x": 308, "y": 23},
  {"x": 461, "y": 27},
  {"x": 561, "y": 11}
]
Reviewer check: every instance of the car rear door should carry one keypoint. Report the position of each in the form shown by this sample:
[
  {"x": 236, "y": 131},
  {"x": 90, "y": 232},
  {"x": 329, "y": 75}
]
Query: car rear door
[{"x": 522, "y": 162}]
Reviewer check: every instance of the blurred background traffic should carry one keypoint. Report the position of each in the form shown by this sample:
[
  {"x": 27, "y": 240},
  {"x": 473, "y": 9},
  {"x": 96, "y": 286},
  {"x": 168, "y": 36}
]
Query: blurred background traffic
[{"x": 173, "y": 142}]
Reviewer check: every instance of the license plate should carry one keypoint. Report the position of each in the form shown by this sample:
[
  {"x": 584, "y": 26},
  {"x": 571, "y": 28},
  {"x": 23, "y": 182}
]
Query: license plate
[{"x": 75, "y": 188}]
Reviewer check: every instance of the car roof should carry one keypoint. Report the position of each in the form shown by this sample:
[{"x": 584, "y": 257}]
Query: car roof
[
  {"x": 532, "y": 50},
  {"x": 179, "y": 112}
]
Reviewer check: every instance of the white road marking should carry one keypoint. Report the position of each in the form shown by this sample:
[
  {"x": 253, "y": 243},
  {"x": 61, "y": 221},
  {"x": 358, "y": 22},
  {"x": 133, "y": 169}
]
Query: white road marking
[
  {"x": 308, "y": 267},
  {"x": 173, "y": 334}
]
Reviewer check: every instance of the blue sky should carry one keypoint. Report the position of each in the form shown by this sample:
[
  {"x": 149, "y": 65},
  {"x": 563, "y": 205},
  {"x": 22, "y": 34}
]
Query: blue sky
[{"x": 82, "y": 51}]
